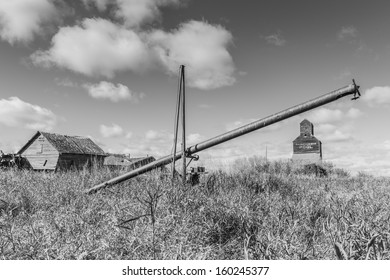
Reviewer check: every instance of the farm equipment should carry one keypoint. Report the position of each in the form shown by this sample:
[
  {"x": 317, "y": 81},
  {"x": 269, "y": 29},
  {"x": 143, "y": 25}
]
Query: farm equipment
[
  {"x": 13, "y": 161},
  {"x": 8, "y": 160},
  {"x": 195, "y": 174},
  {"x": 351, "y": 89}
]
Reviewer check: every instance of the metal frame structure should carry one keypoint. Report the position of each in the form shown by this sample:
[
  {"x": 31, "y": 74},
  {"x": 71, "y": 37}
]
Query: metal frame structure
[
  {"x": 351, "y": 89},
  {"x": 180, "y": 106}
]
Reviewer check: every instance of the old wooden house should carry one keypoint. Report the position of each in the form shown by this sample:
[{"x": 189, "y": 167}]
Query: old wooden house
[
  {"x": 50, "y": 151},
  {"x": 307, "y": 148}
]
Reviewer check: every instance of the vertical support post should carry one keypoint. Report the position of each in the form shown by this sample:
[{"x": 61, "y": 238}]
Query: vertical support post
[
  {"x": 183, "y": 144},
  {"x": 176, "y": 125}
]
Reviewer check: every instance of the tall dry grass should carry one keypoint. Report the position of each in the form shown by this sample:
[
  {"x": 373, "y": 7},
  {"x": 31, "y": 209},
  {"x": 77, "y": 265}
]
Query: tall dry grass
[{"x": 259, "y": 210}]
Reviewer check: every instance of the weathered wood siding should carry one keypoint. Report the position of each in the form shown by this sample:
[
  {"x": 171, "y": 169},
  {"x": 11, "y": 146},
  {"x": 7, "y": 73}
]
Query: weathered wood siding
[
  {"x": 307, "y": 128},
  {"x": 78, "y": 161},
  {"x": 41, "y": 154},
  {"x": 304, "y": 145}
]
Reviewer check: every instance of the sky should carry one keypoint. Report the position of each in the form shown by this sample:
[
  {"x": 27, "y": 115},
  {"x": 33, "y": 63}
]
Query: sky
[{"x": 108, "y": 69}]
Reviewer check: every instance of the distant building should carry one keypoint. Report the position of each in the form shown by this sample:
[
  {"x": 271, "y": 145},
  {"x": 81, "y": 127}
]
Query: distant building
[
  {"x": 306, "y": 147},
  {"x": 119, "y": 161},
  {"x": 50, "y": 151}
]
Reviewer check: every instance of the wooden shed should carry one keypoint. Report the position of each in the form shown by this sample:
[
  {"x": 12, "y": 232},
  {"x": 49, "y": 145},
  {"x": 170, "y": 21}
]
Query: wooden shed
[{"x": 50, "y": 151}]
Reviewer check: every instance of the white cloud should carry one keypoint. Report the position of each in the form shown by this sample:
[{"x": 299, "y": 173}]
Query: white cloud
[
  {"x": 347, "y": 32},
  {"x": 333, "y": 125},
  {"x": 137, "y": 12},
  {"x": 355, "y": 156},
  {"x": 157, "y": 143},
  {"x": 154, "y": 142},
  {"x": 276, "y": 40},
  {"x": 134, "y": 13},
  {"x": 116, "y": 93},
  {"x": 325, "y": 115},
  {"x": 97, "y": 47},
  {"x": 161, "y": 136},
  {"x": 21, "y": 20},
  {"x": 335, "y": 136},
  {"x": 17, "y": 113},
  {"x": 325, "y": 128},
  {"x": 202, "y": 48},
  {"x": 151, "y": 135},
  {"x": 353, "y": 113},
  {"x": 350, "y": 35},
  {"x": 377, "y": 96},
  {"x": 100, "y": 4},
  {"x": 194, "y": 138},
  {"x": 111, "y": 131},
  {"x": 386, "y": 144},
  {"x": 65, "y": 82}
]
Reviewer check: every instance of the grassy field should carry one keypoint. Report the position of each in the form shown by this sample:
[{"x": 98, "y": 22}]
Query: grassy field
[{"x": 261, "y": 210}]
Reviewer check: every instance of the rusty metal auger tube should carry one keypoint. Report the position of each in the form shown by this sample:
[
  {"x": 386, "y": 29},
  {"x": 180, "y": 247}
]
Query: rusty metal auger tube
[{"x": 285, "y": 114}]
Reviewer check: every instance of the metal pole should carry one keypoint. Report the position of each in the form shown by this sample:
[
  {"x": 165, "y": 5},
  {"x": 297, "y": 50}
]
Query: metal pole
[
  {"x": 285, "y": 114},
  {"x": 176, "y": 126},
  {"x": 183, "y": 120}
]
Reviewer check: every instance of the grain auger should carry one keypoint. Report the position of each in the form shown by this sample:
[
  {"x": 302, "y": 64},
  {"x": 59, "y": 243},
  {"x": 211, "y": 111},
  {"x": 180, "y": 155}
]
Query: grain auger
[{"x": 352, "y": 89}]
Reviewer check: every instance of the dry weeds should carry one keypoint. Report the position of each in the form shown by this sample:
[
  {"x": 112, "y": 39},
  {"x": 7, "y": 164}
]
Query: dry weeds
[{"x": 261, "y": 210}]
